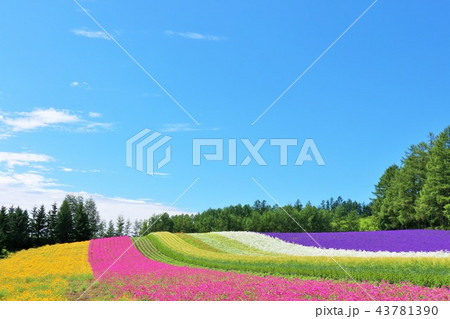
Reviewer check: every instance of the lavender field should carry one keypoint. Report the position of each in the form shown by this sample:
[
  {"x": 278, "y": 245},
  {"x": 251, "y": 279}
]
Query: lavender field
[{"x": 388, "y": 240}]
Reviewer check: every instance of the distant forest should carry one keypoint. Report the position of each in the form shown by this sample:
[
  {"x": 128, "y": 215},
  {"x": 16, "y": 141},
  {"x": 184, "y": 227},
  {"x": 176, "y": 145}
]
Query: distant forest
[{"x": 413, "y": 195}]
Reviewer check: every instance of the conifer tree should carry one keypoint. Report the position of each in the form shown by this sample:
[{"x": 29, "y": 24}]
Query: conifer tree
[
  {"x": 39, "y": 229},
  {"x": 434, "y": 202},
  {"x": 18, "y": 235},
  {"x": 110, "y": 231},
  {"x": 64, "y": 223},
  {"x": 120, "y": 226},
  {"x": 82, "y": 230},
  {"x": 51, "y": 223},
  {"x": 93, "y": 216}
]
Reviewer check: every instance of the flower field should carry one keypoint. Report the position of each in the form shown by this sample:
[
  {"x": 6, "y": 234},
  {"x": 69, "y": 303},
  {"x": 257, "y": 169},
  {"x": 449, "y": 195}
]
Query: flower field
[
  {"x": 137, "y": 277},
  {"x": 226, "y": 266},
  {"x": 424, "y": 271},
  {"x": 45, "y": 273},
  {"x": 276, "y": 243},
  {"x": 388, "y": 240}
]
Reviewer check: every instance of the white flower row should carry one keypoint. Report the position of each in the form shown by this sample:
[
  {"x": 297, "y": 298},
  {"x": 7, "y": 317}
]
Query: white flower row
[
  {"x": 229, "y": 246},
  {"x": 275, "y": 245}
]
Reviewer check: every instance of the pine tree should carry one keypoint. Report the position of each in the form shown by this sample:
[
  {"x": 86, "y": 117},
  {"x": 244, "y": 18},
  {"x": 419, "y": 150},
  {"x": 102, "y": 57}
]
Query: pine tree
[
  {"x": 64, "y": 223},
  {"x": 101, "y": 232},
  {"x": 39, "y": 226},
  {"x": 110, "y": 232},
  {"x": 137, "y": 225},
  {"x": 73, "y": 202},
  {"x": 51, "y": 223},
  {"x": 120, "y": 225},
  {"x": 127, "y": 229},
  {"x": 94, "y": 217},
  {"x": 398, "y": 209},
  {"x": 18, "y": 236},
  {"x": 82, "y": 230},
  {"x": 412, "y": 178},
  {"x": 383, "y": 185},
  {"x": 381, "y": 205},
  {"x": 434, "y": 202},
  {"x": 3, "y": 229}
]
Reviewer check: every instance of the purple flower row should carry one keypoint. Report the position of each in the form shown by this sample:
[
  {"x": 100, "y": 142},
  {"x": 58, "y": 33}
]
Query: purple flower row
[{"x": 389, "y": 240}]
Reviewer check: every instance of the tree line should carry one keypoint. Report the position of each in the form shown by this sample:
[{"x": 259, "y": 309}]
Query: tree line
[
  {"x": 413, "y": 195},
  {"x": 330, "y": 215},
  {"x": 76, "y": 219}
]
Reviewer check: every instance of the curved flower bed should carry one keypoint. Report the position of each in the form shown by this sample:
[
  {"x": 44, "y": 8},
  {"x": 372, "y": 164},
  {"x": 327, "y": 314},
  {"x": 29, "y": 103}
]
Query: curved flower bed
[
  {"x": 276, "y": 243},
  {"x": 386, "y": 240},
  {"x": 134, "y": 276}
]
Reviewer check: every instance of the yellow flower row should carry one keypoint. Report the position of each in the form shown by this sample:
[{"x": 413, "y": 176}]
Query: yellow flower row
[
  {"x": 44, "y": 273},
  {"x": 423, "y": 271},
  {"x": 175, "y": 243}
]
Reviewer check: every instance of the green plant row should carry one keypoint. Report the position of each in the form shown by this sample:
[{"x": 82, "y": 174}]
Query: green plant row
[
  {"x": 418, "y": 271},
  {"x": 149, "y": 250}
]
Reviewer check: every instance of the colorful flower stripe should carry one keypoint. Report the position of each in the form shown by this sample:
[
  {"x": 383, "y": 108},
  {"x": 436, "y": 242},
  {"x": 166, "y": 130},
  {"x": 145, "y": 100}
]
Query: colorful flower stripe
[
  {"x": 230, "y": 246},
  {"x": 136, "y": 277},
  {"x": 43, "y": 273},
  {"x": 276, "y": 245},
  {"x": 388, "y": 240},
  {"x": 421, "y": 271}
]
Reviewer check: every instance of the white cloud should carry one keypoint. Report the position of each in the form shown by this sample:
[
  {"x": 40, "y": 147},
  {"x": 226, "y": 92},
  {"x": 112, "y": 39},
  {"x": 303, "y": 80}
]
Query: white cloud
[
  {"x": 91, "y": 34},
  {"x": 25, "y": 121},
  {"x": 82, "y": 84},
  {"x": 70, "y": 170},
  {"x": 89, "y": 127},
  {"x": 194, "y": 35},
  {"x": 22, "y": 159},
  {"x": 29, "y": 180},
  {"x": 94, "y": 114},
  {"x": 50, "y": 117},
  {"x": 28, "y": 190},
  {"x": 4, "y": 135}
]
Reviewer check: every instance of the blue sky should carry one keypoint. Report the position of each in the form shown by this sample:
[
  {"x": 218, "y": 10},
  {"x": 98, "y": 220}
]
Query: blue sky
[{"x": 70, "y": 97}]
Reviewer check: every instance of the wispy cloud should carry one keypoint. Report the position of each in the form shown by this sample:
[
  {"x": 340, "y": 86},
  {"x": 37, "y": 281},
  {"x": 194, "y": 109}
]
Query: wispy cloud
[
  {"x": 11, "y": 122},
  {"x": 194, "y": 35},
  {"x": 11, "y": 159},
  {"x": 23, "y": 183},
  {"x": 70, "y": 170},
  {"x": 30, "y": 180},
  {"x": 29, "y": 189},
  {"x": 24, "y": 121},
  {"x": 94, "y": 114},
  {"x": 91, "y": 34},
  {"x": 76, "y": 84}
]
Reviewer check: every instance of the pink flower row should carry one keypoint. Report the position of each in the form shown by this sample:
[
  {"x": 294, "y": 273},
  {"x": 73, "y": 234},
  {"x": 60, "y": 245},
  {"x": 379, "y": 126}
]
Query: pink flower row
[{"x": 137, "y": 277}]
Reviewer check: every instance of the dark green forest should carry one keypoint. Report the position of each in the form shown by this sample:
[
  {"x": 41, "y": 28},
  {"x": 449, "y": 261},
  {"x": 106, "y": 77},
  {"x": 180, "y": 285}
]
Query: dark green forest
[{"x": 412, "y": 195}]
